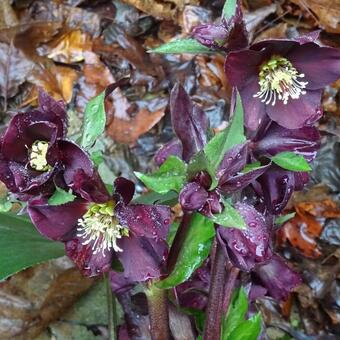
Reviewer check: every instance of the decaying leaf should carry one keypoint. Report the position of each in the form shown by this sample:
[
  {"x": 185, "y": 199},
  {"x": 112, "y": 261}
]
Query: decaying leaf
[
  {"x": 305, "y": 228},
  {"x": 30, "y": 300},
  {"x": 327, "y": 12},
  {"x": 69, "y": 47}
]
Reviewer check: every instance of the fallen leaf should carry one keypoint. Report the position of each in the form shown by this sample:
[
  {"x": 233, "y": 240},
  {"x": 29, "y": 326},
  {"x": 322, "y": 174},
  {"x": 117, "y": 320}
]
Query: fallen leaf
[
  {"x": 57, "y": 80},
  {"x": 128, "y": 131},
  {"x": 69, "y": 47},
  {"x": 276, "y": 32},
  {"x": 33, "y": 298},
  {"x": 327, "y": 13},
  {"x": 14, "y": 69}
]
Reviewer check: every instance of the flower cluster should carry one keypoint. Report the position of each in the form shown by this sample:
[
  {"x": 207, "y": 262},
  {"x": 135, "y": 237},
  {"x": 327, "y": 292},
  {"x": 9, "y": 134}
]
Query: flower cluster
[{"x": 97, "y": 228}]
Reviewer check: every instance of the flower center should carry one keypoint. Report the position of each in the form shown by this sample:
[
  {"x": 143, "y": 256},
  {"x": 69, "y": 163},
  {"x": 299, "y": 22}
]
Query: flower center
[
  {"x": 37, "y": 156},
  {"x": 100, "y": 228},
  {"x": 279, "y": 79}
]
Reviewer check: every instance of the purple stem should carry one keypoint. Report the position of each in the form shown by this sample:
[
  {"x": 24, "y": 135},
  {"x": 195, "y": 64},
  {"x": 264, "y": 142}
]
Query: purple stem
[
  {"x": 158, "y": 313},
  {"x": 231, "y": 279},
  {"x": 212, "y": 328}
]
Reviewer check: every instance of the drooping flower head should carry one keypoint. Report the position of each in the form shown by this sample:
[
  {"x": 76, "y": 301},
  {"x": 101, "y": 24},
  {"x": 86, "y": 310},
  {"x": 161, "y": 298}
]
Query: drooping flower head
[
  {"x": 283, "y": 79},
  {"x": 98, "y": 229}
]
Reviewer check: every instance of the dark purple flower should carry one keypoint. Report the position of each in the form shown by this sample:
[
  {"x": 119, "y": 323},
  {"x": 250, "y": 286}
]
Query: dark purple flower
[
  {"x": 277, "y": 277},
  {"x": 246, "y": 248},
  {"x": 188, "y": 121},
  {"x": 278, "y": 184},
  {"x": 95, "y": 231},
  {"x": 282, "y": 79},
  {"x": 229, "y": 35},
  {"x": 173, "y": 148}
]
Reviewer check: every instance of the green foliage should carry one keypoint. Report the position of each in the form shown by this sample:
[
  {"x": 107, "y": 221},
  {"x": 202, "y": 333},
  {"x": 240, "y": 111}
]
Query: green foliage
[
  {"x": 94, "y": 120},
  {"x": 225, "y": 140},
  {"x": 229, "y": 9},
  {"x": 234, "y": 326},
  {"x": 284, "y": 218},
  {"x": 21, "y": 246},
  {"x": 182, "y": 46},
  {"x": 229, "y": 217},
  {"x": 170, "y": 176},
  {"x": 195, "y": 249},
  {"x": 291, "y": 161},
  {"x": 61, "y": 196}
]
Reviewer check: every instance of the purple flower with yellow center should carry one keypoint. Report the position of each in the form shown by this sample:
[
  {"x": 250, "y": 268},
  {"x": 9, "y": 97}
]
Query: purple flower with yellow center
[
  {"x": 283, "y": 79},
  {"x": 33, "y": 150},
  {"x": 99, "y": 229}
]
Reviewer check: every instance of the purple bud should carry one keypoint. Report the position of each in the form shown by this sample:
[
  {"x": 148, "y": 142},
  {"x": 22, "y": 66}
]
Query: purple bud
[{"x": 193, "y": 196}]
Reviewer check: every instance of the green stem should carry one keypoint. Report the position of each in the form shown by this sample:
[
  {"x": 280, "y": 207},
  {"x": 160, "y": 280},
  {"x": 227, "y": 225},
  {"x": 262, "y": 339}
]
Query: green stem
[
  {"x": 111, "y": 310},
  {"x": 158, "y": 313}
]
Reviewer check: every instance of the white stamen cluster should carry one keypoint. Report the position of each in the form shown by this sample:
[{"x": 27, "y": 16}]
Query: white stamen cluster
[
  {"x": 279, "y": 80},
  {"x": 100, "y": 228},
  {"x": 37, "y": 156}
]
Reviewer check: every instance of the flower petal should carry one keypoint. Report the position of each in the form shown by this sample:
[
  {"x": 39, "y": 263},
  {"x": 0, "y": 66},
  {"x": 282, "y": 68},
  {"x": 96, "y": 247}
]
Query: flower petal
[
  {"x": 125, "y": 188},
  {"x": 173, "y": 148},
  {"x": 193, "y": 196},
  {"x": 247, "y": 247},
  {"x": 304, "y": 141},
  {"x": 189, "y": 122},
  {"x": 89, "y": 264},
  {"x": 56, "y": 222},
  {"x": 145, "y": 220},
  {"x": 321, "y": 65},
  {"x": 277, "y": 187},
  {"x": 142, "y": 258},
  {"x": 297, "y": 112},
  {"x": 119, "y": 283},
  {"x": 278, "y": 278}
]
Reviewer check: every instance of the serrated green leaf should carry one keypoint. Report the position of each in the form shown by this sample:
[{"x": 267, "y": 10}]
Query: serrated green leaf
[
  {"x": 229, "y": 217},
  {"x": 182, "y": 46},
  {"x": 170, "y": 198},
  {"x": 94, "y": 120},
  {"x": 229, "y": 9},
  {"x": 251, "y": 166},
  {"x": 21, "y": 246},
  {"x": 236, "y": 313},
  {"x": 170, "y": 176},
  {"x": 60, "y": 197},
  {"x": 291, "y": 161},
  {"x": 195, "y": 250},
  {"x": 284, "y": 218},
  {"x": 225, "y": 140},
  {"x": 247, "y": 330}
]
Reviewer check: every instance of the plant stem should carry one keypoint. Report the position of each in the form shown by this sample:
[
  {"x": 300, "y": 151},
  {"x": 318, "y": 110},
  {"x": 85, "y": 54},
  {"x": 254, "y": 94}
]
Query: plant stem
[
  {"x": 212, "y": 327},
  {"x": 111, "y": 310},
  {"x": 178, "y": 241},
  {"x": 158, "y": 313},
  {"x": 231, "y": 279}
]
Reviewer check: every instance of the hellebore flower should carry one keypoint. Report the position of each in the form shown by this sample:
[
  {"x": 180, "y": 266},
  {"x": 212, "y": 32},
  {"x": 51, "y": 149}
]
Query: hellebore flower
[
  {"x": 29, "y": 150},
  {"x": 282, "y": 79},
  {"x": 277, "y": 277},
  {"x": 246, "y": 248},
  {"x": 278, "y": 184},
  {"x": 96, "y": 232},
  {"x": 229, "y": 35}
]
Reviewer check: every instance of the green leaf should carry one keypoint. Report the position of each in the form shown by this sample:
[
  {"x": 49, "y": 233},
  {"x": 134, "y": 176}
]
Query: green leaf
[
  {"x": 172, "y": 233},
  {"x": 97, "y": 157},
  {"x": 61, "y": 196},
  {"x": 225, "y": 140},
  {"x": 251, "y": 166},
  {"x": 5, "y": 205},
  {"x": 291, "y": 161},
  {"x": 247, "y": 330},
  {"x": 229, "y": 9},
  {"x": 229, "y": 217},
  {"x": 94, "y": 120},
  {"x": 182, "y": 46},
  {"x": 236, "y": 313},
  {"x": 195, "y": 250},
  {"x": 170, "y": 198},
  {"x": 199, "y": 162},
  {"x": 170, "y": 176},
  {"x": 284, "y": 218},
  {"x": 21, "y": 246}
]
